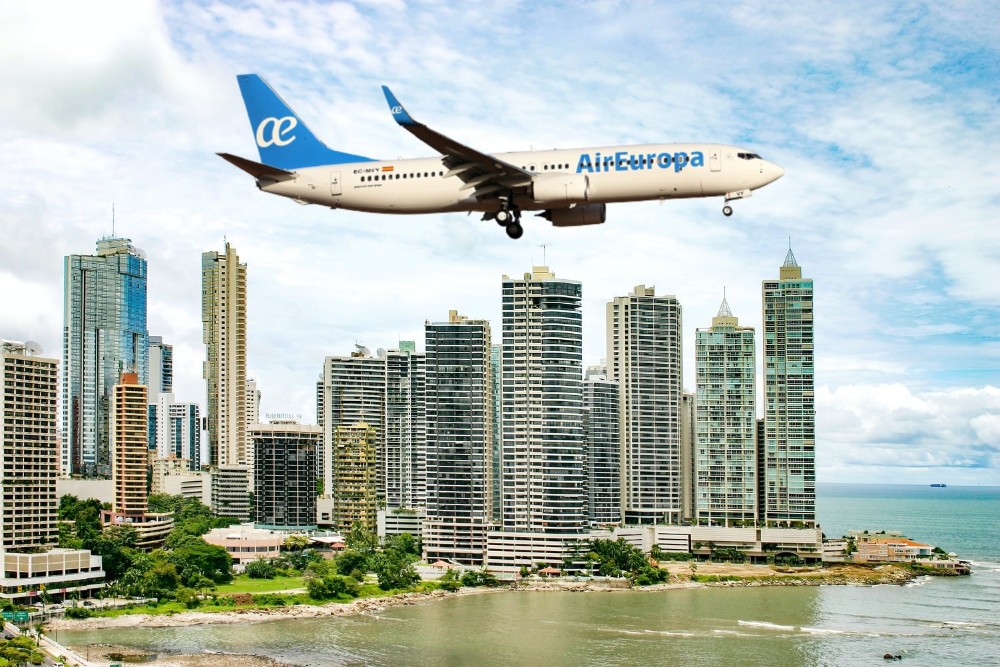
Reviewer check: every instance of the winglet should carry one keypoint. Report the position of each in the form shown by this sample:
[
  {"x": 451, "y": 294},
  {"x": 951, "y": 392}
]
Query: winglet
[{"x": 398, "y": 112}]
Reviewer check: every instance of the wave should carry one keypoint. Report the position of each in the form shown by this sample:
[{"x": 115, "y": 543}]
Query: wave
[
  {"x": 659, "y": 633},
  {"x": 766, "y": 625}
]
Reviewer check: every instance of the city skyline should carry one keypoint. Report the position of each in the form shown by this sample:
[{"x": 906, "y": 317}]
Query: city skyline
[{"x": 879, "y": 114}]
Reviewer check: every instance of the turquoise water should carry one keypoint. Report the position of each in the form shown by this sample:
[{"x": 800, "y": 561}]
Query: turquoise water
[{"x": 932, "y": 621}]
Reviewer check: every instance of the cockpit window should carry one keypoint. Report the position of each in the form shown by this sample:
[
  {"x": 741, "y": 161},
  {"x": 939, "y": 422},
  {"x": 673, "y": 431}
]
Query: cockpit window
[{"x": 749, "y": 156}]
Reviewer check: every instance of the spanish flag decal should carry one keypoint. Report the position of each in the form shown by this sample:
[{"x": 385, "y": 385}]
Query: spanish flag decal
[{"x": 387, "y": 168}]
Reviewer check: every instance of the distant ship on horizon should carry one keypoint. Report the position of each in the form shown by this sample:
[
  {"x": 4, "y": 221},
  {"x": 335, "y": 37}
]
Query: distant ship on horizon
[{"x": 939, "y": 485}]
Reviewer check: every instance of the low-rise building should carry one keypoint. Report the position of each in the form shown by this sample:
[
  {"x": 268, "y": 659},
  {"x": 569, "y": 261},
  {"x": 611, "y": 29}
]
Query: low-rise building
[
  {"x": 59, "y": 573},
  {"x": 245, "y": 544}
]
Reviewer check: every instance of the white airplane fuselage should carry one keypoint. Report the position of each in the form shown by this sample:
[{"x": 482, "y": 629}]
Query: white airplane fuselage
[
  {"x": 607, "y": 174},
  {"x": 570, "y": 187}
]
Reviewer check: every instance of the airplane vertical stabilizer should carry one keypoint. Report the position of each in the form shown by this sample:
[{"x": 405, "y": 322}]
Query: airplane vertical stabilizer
[{"x": 283, "y": 140}]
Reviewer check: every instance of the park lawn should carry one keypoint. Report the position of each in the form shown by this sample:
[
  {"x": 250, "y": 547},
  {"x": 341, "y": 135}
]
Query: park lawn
[{"x": 244, "y": 584}]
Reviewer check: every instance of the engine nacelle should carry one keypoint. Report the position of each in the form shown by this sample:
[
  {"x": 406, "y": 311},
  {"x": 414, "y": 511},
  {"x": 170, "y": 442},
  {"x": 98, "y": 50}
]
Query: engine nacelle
[
  {"x": 560, "y": 188},
  {"x": 590, "y": 214}
]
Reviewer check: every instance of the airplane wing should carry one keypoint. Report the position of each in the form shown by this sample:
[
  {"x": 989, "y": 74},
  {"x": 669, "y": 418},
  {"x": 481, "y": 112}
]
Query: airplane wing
[{"x": 482, "y": 173}]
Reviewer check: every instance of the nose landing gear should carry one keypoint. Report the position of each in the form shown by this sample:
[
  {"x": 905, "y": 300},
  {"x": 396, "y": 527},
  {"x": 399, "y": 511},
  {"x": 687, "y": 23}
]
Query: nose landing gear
[{"x": 727, "y": 210}]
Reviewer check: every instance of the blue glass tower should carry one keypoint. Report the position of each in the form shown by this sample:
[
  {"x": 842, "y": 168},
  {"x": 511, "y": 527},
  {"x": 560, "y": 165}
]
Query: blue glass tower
[{"x": 104, "y": 333}]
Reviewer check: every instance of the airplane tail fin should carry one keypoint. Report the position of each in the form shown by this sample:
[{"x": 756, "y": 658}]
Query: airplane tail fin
[{"x": 283, "y": 140}]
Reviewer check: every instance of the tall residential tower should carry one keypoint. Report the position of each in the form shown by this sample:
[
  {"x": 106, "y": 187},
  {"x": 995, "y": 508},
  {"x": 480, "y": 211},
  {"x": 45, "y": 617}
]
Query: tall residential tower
[
  {"x": 224, "y": 332},
  {"x": 789, "y": 483},
  {"x": 725, "y": 422},
  {"x": 459, "y": 439},
  {"x": 644, "y": 358}
]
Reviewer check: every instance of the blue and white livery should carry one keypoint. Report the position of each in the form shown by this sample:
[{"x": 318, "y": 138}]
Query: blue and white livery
[{"x": 569, "y": 187}]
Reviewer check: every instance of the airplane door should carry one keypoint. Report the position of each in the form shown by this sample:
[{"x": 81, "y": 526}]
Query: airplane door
[
  {"x": 335, "y": 183},
  {"x": 715, "y": 159}
]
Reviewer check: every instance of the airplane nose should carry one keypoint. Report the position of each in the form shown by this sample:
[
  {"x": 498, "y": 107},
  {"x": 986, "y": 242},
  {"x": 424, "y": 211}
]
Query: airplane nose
[{"x": 774, "y": 172}]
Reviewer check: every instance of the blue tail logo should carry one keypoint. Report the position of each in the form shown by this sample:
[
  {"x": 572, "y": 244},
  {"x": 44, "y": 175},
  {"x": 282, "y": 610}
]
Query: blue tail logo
[
  {"x": 283, "y": 140},
  {"x": 272, "y": 131}
]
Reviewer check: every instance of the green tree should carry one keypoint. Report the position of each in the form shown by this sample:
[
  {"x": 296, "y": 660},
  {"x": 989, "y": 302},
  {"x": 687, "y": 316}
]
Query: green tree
[
  {"x": 196, "y": 556},
  {"x": 332, "y": 586},
  {"x": 394, "y": 571},
  {"x": 350, "y": 560},
  {"x": 450, "y": 580},
  {"x": 296, "y": 542},
  {"x": 404, "y": 544},
  {"x": 115, "y": 546},
  {"x": 481, "y": 577},
  {"x": 361, "y": 538},
  {"x": 261, "y": 569}
]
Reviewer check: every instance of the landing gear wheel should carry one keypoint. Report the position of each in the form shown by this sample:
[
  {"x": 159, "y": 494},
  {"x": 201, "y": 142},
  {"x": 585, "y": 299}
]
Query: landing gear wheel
[
  {"x": 504, "y": 217},
  {"x": 727, "y": 210},
  {"x": 514, "y": 230}
]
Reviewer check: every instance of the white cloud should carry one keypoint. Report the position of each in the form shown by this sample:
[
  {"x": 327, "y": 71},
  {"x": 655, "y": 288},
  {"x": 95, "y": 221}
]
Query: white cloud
[{"x": 884, "y": 129}]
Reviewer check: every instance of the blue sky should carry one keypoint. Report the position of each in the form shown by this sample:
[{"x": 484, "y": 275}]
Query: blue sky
[{"x": 884, "y": 116}]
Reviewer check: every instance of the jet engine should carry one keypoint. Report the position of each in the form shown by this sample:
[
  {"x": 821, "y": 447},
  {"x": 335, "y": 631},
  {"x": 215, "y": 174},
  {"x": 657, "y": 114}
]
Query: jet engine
[
  {"x": 590, "y": 214},
  {"x": 560, "y": 188}
]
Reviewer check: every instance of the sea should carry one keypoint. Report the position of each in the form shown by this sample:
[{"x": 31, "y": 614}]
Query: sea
[{"x": 930, "y": 621}]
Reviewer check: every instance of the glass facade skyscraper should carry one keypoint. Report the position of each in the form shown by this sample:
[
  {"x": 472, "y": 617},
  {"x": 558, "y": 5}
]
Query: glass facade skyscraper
[{"x": 104, "y": 334}]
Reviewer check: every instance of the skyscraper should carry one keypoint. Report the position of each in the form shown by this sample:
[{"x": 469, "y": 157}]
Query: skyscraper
[
  {"x": 644, "y": 358},
  {"x": 601, "y": 427},
  {"x": 104, "y": 334},
  {"x": 28, "y": 446},
  {"x": 789, "y": 484},
  {"x": 542, "y": 404},
  {"x": 224, "y": 332},
  {"x": 355, "y": 500},
  {"x": 459, "y": 439},
  {"x": 725, "y": 422},
  {"x": 353, "y": 392},
  {"x": 404, "y": 461},
  {"x": 285, "y": 474},
  {"x": 28, "y": 503},
  {"x": 129, "y": 448}
]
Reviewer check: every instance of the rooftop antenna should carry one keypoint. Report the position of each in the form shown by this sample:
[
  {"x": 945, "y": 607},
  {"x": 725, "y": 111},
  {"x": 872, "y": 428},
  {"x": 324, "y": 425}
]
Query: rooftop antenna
[
  {"x": 543, "y": 246},
  {"x": 112, "y": 219}
]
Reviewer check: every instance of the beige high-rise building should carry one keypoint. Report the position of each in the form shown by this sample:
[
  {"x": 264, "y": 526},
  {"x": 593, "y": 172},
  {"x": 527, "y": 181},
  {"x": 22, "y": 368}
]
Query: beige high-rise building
[
  {"x": 224, "y": 326},
  {"x": 644, "y": 358},
  {"x": 355, "y": 467},
  {"x": 129, "y": 446},
  {"x": 28, "y": 448}
]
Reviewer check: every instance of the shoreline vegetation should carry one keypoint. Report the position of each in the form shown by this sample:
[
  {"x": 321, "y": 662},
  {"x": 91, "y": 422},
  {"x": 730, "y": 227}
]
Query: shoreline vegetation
[{"x": 682, "y": 576}]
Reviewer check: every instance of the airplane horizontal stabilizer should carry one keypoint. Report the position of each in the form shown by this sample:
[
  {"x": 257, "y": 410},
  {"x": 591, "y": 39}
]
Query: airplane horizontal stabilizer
[{"x": 256, "y": 169}]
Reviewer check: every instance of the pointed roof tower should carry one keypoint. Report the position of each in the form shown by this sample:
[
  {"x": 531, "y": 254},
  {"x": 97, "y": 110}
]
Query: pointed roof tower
[
  {"x": 790, "y": 270},
  {"x": 725, "y": 318}
]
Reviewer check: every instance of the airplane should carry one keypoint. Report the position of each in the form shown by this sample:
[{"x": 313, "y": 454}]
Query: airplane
[{"x": 570, "y": 187}]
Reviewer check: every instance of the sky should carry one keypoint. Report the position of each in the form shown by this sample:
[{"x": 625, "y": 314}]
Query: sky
[{"x": 883, "y": 115}]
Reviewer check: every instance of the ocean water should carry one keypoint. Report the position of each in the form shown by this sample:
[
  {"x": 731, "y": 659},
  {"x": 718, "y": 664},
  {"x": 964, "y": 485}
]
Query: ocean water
[{"x": 931, "y": 621}]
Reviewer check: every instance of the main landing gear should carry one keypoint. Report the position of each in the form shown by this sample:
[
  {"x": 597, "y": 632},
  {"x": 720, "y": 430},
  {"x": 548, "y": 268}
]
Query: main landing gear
[{"x": 508, "y": 217}]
